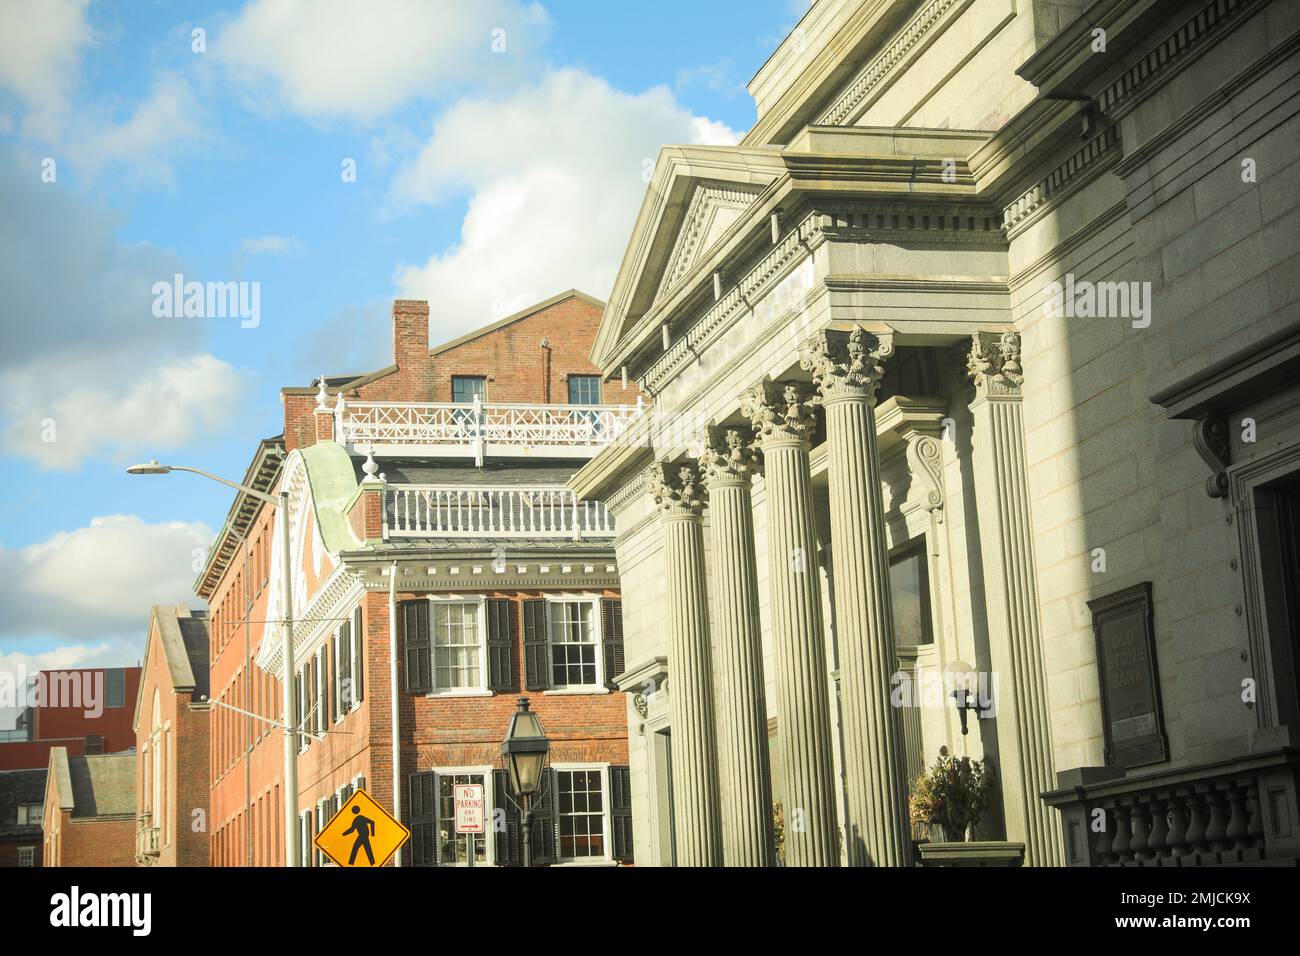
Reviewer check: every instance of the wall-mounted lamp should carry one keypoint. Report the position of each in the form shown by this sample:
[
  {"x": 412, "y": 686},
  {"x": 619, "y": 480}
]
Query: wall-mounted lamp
[{"x": 964, "y": 681}]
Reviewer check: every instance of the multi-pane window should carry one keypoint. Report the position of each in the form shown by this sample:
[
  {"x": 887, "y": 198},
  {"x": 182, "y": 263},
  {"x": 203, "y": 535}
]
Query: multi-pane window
[
  {"x": 573, "y": 643},
  {"x": 580, "y": 814},
  {"x": 452, "y": 847},
  {"x": 584, "y": 389},
  {"x": 31, "y": 814},
  {"x": 465, "y": 388},
  {"x": 457, "y": 646},
  {"x": 27, "y": 856}
]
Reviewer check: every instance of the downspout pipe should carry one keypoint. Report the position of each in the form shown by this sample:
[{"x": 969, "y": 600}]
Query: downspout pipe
[{"x": 392, "y": 691}]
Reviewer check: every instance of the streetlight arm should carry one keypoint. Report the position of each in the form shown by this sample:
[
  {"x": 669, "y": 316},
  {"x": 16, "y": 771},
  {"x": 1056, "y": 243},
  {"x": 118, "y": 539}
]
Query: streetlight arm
[{"x": 259, "y": 495}]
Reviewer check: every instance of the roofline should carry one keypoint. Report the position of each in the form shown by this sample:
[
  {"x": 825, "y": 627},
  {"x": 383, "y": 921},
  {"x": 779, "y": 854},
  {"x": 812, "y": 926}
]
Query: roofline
[
  {"x": 260, "y": 457},
  {"x": 517, "y": 316}
]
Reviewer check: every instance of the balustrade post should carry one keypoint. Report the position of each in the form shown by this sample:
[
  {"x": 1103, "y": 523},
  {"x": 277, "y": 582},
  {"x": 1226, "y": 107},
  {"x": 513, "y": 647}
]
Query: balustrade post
[{"x": 1178, "y": 821}]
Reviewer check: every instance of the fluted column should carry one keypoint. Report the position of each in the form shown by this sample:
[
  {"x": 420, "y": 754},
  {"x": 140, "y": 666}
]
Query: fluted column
[
  {"x": 727, "y": 465},
  {"x": 1011, "y": 595},
  {"x": 781, "y": 417},
  {"x": 697, "y": 835},
  {"x": 847, "y": 368}
]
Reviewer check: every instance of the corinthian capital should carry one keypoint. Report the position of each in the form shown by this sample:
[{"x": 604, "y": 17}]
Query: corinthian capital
[
  {"x": 779, "y": 411},
  {"x": 676, "y": 489},
  {"x": 729, "y": 456},
  {"x": 993, "y": 362},
  {"x": 847, "y": 364}
]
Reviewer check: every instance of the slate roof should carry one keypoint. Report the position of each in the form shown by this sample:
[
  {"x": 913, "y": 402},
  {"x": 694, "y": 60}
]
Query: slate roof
[
  {"x": 100, "y": 785},
  {"x": 19, "y": 787}
]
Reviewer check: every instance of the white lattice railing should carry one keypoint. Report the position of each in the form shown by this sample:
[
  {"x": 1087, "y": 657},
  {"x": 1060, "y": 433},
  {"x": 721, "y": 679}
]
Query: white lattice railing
[
  {"x": 439, "y": 510},
  {"x": 480, "y": 424}
]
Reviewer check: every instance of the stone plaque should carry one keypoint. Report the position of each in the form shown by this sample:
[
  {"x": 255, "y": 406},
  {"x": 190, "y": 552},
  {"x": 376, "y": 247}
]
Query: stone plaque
[{"x": 1123, "y": 624}]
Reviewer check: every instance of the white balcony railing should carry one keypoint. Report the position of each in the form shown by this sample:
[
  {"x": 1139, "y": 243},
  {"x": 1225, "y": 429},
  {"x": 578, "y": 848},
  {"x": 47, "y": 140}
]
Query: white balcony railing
[
  {"x": 147, "y": 840},
  {"x": 441, "y": 511},
  {"x": 481, "y": 428}
]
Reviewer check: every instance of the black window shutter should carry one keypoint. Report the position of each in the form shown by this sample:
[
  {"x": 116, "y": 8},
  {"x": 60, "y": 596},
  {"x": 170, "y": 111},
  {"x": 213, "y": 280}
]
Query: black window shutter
[
  {"x": 358, "y": 658},
  {"x": 414, "y": 619},
  {"x": 422, "y": 818},
  {"x": 509, "y": 841},
  {"x": 537, "y": 672},
  {"x": 611, "y": 626},
  {"x": 502, "y": 626},
  {"x": 620, "y": 810},
  {"x": 544, "y": 822}
]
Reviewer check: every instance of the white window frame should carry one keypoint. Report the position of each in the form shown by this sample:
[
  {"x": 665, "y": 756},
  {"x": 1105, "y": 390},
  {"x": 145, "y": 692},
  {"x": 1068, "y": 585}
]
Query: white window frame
[
  {"x": 24, "y": 814},
  {"x": 480, "y": 602},
  {"x": 606, "y": 815},
  {"x": 489, "y": 801},
  {"x": 598, "y": 633},
  {"x": 355, "y": 654},
  {"x": 336, "y": 643},
  {"x": 30, "y": 852}
]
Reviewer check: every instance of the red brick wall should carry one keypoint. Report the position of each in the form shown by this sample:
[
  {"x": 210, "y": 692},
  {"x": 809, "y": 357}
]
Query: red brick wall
[
  {"x": 93, "y": 842},
  {"x": 9, "y": 850},
  {"x": 519, "y": 369}
]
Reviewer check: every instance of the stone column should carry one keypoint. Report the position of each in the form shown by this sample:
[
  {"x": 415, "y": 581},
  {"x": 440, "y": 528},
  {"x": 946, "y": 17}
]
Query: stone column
[
  {"x": 782, "y": 418},
  {"x": 697, "y": 834},
  {"x": 847, "y": 368},
  {"x": 728, "y": 463},
  {"x": 1011, "y": 595}
]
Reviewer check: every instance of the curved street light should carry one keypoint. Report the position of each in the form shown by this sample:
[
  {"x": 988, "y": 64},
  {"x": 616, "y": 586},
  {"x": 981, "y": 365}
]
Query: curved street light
[{"x": 281, "y": 501}]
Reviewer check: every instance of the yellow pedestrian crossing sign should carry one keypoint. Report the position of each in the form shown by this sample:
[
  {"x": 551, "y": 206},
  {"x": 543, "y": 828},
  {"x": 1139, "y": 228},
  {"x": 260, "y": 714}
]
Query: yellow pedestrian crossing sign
[{"x": 361, "y": 834}]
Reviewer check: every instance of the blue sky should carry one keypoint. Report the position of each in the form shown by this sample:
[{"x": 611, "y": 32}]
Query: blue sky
[{"x": 499, "y": 148}]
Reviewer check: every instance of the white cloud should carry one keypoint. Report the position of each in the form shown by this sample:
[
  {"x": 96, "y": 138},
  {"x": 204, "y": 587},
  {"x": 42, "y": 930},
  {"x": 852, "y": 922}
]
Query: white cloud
[
  {"x": 120, "y": 565},
  {"x": 270, "y": 246},
  {"x": 59, "y": 414},
  {"x": 339, "y": 58},
  {"x": 556, "y": 174},
  {"x": 40, "y": 46},
  {"x": 81, "y": 343}
]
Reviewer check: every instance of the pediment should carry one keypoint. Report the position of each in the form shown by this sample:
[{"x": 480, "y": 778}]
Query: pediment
[{"x": 711, "y": 210}]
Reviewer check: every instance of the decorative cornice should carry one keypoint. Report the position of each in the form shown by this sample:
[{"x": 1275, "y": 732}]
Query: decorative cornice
[
  {"x": 706, "y": 199},
  {"x": 781, "y": 412},
  {"x": 847, "y": 221},
  {"x": 846, "y": 105},
  {"x": 993, "y": 363},
  {"x": 847, "y": 364},
  {"x": 675, "y": 488},
  {"x": 1154, "y": 69},
  {"x": 1075, "y": 171},
  {"x": 730, "y": 456}
]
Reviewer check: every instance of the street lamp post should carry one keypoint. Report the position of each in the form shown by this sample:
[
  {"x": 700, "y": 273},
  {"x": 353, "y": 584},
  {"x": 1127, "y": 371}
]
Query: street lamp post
[
  {"x": 524, "y": 750},
  {"x": 291, "y": 834}
]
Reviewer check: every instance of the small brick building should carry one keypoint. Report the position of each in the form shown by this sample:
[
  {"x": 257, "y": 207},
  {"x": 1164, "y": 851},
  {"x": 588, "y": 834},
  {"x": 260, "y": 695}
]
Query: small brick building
[
  {"x": 90, "y": 810},
  {"x": 171, "y": 727},
  {"x": 22, "y": 806},
  {"x": 428, "y": 516}
]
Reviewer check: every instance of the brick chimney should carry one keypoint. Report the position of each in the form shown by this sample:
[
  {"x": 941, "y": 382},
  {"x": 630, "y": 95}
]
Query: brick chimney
[{"x": 411, "y": 347}]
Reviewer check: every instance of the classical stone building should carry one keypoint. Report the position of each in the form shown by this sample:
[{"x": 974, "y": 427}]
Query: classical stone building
[{"x": 975, "y": 369}]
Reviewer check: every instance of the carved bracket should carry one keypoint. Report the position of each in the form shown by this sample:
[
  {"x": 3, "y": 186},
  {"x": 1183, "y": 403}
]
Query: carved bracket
[{"x": 1210, "y": 437}]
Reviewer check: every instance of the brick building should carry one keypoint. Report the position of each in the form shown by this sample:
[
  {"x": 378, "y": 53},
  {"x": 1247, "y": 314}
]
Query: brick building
[
  {"x": 428, "y": 515},
  {"x": 86, "y": 710},
  {"x": 89, "y": 809},
  {"x": 22, "y": 807},
  {"x": 171, "y": 728}
]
